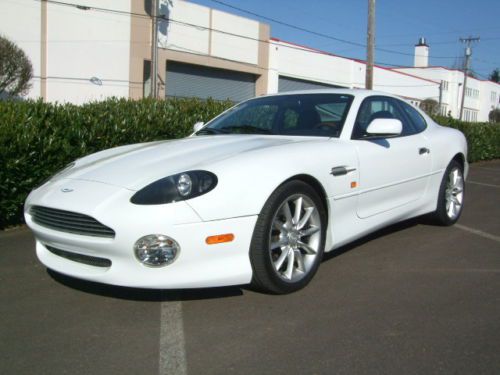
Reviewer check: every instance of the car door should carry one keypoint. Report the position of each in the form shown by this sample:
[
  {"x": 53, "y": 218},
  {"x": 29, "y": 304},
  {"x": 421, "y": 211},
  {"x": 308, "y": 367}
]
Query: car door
[{"x": 393, "y": 171}]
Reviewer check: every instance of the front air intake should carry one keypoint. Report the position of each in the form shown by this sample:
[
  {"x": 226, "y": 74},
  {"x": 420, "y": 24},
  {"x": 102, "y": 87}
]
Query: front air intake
[
  {"x": 70, "y": 222},
  {"x": 80, "y": 258}
]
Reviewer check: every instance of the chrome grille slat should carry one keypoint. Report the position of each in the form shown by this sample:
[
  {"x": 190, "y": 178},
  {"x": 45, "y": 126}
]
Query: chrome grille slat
[
  {"x": 80, "y": 258},
  {"x": 62, "y": 217},
  {"x": 63, "y": 222},
  {"x": 71, "y": 228},
  {"x": 70, "y": 222}
]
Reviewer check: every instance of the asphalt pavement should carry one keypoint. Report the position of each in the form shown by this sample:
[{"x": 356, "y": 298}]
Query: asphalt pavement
[{"x": 410, "y": 299}]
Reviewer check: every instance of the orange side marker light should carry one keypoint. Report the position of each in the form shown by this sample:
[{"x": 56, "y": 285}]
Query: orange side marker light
[
  {"x": 219, "y": 238},
  {"x": 354, "y": 184}
]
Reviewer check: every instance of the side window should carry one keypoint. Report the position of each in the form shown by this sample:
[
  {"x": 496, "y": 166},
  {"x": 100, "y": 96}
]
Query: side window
[
  {"x": 416, "y": 118},
  {"x": 379, "y": 107}
]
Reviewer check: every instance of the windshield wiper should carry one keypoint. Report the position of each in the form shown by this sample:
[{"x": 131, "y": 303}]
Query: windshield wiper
[
  {"x": 245, "y": 129},
  {"x": 206, "y": 131}
]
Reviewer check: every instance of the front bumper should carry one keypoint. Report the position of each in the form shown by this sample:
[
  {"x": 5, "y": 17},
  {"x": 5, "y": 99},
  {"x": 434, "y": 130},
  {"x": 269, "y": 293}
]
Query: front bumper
[{"x": 198, "y": 265}]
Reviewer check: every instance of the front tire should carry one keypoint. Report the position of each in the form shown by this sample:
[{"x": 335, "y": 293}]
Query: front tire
[
  {"x": 288, "y": 240},
  {"x": 451, "y": 195}
]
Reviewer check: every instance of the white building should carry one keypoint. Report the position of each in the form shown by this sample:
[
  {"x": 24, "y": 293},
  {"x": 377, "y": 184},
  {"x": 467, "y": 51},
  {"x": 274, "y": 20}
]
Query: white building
[{"x": 86, "y": 50}]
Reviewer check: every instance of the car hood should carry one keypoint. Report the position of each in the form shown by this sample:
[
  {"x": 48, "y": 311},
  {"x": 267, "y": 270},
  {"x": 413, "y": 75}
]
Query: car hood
[{"x": 135, "y": 166}]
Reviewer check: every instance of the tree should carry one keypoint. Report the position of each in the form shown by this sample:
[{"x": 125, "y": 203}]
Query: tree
[
  {"x": 15, "y": 69},
  {"x": 495, "y": 75},
  {"x": 494, "y": 115},
  {"x": 430, "y": 106}
]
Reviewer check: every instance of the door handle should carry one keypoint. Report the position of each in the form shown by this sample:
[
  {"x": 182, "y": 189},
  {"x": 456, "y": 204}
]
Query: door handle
[
  {"x": 340, "y": 171},
  {"x": 423, "y": 150}
]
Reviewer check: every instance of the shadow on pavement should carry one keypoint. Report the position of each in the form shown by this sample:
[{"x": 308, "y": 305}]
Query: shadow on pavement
[
  {"x": 159, "y": 295},
  {"x": 422, "y": 220},
  {"x": 147, "y": 295}
]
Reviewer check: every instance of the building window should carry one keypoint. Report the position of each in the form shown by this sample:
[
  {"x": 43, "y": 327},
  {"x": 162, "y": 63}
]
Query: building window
[
  {"x": 146, "y": 79},
  {"x": 444, "y": 85}
]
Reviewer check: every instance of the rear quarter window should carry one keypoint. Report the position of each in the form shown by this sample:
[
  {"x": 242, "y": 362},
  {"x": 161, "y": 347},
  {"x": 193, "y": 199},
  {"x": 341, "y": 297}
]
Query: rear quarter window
[{"x": 416, "y": 118}]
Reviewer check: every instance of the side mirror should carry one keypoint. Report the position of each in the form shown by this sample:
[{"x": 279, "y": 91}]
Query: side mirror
[
  {"x": 385, "y": 127},
  {"x": 198, "y": 126}
]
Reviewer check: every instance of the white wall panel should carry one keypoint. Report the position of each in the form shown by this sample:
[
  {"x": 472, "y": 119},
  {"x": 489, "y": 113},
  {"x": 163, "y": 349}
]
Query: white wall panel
[
  {"x": 177, "y": 35},
  {"x": 233, "y": 47},
  {"x": 87, "y": 43}
]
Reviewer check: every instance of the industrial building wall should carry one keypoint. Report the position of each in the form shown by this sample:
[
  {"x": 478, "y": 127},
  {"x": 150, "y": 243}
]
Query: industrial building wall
[
  {"x": 207, "y": 52},
  {"x": 478, "y": 95},
  {"x": 78, "y": 54},
  {"x": 290, "y": 60},
  {"x": 88, "y": 51},
  {"x": 490, "y": 98}
]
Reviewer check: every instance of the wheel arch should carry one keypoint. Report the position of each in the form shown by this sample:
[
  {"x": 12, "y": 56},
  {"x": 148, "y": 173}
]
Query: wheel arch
[
  {"x": 318, "y": 188},
  {"x": 460, "y": 158}
]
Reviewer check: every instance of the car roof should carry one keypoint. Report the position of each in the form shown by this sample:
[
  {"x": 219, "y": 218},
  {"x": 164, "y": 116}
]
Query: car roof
[{"x": 355, "y": 92}]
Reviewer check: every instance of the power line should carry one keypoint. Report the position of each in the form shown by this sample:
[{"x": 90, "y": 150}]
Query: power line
[
  {"x": 312, "y": 32},
  {"x": 270, "y": 42},
  {"x": 434, "y": 43},
  {"x": 164, "y": 18}
]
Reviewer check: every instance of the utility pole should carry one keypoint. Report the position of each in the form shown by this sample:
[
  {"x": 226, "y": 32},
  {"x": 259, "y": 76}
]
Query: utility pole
[
  {"x": 370, "y": 45},
  {"x": 468, "y": 52},
  {"x": 154, "y": 49},
  {"x": 440, "y": 97}
]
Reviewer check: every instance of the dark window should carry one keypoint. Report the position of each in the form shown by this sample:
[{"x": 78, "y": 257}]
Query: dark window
[
  {"x": 416, "y": 118},
  {"x": 376, "y": 107},
  {"x": 146, "y": 79}
]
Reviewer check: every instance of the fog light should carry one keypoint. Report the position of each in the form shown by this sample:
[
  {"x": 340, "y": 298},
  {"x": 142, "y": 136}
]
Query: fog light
[{"x": 156, "y": 250}]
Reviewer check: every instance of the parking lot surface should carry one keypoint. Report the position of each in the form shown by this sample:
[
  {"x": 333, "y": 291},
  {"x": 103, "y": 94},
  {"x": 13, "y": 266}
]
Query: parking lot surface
[{"x": 410, "y": 299}]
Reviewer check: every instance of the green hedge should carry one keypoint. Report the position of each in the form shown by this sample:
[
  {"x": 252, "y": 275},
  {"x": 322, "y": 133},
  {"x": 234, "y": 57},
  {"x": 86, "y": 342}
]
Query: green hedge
[
  {"x": 483, "y": 138},
  {"x": 37, "y": 139}
]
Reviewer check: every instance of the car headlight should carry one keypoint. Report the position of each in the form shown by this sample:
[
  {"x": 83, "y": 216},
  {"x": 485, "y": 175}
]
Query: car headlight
[{"x": 176, "y": 188}]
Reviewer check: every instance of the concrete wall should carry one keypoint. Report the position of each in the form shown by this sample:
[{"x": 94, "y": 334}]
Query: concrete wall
[
  {"x": 82, "y": 44},
  {"x": 305, "y": 63},
  {"x": 198, "y": 29},
  {"x": 452, "y": 92},
  {"x": 68, "y": 46},
  {"x": 488, "y": 102}
]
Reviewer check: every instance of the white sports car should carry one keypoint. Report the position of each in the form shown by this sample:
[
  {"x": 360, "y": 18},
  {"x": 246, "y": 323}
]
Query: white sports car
[{"x": 254, "y": 196}]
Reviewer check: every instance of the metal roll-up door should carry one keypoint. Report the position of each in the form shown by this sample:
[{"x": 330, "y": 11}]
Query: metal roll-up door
[
  {"x": 293, "y": 84},
  {"x": 187, "y": 80}
]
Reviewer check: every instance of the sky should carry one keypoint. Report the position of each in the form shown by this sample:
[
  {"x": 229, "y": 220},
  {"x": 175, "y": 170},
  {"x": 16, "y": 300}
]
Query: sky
[{"x": 399, "y": 25}]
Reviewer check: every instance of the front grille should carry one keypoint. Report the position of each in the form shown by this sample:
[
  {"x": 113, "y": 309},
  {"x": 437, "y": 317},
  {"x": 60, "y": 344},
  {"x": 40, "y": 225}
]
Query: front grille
[
  {"x": 80, "y": 258},
  {"x": 71, "y": 222}
]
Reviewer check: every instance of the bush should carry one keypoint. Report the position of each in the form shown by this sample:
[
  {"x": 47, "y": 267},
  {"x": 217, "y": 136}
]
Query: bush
[
  {"x": 483, "y": 138},
  {"x": 37, "y": 139},
  {"x": 494, "y": 115}
]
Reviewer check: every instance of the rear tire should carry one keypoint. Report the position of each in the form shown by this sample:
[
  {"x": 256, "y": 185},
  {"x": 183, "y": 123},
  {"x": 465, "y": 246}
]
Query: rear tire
[
  {"x": 288, "y": 239},
  {"x": 451, "y": 195}
]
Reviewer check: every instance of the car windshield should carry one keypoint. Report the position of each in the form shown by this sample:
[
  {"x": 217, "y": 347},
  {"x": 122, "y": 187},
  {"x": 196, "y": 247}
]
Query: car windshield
[{"x": 321, "y": 115}]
